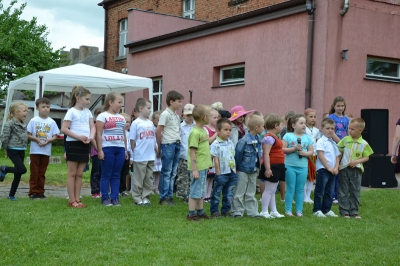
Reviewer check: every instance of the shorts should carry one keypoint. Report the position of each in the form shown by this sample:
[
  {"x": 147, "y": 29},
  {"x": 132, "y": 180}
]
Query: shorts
[
  {"x": 278, "y": 173},
  {"x": 77, "y": 151},
  {"x": 198, "y": 186}
]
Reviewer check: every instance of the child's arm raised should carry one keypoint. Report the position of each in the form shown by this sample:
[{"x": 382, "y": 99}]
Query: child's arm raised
[{"x": 193, "y": 161}]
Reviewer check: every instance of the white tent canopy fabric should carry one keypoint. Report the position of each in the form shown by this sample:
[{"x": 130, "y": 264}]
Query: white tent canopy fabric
[{"x": 63, "y": 79}]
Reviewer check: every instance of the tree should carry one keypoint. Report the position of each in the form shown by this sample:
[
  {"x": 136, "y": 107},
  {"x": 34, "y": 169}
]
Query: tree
[{"x": 24, "y": 48}]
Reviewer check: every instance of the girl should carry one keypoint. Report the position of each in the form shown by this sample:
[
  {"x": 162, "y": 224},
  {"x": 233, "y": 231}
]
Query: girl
[
  {"x": 79, "y": 127},
  {"x": 211, "y": 130},
  {"x": 297, "y": 146},
  {"x": 314, "y": 134},
  {"x": 238, "y": 117},
  {"x": 337, "y": 114},
  {"x": 96, "y": 171},
  {"x": 14, "y": 140},
  {"x": 112, "y": 149},
  {"x": 157, "y": 163}
]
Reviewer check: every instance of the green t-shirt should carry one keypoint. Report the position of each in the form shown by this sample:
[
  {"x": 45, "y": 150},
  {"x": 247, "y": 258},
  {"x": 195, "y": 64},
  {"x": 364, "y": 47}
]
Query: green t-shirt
[
  {"x": 198, "y": 139},
  {"x": 353, "y": 150}
]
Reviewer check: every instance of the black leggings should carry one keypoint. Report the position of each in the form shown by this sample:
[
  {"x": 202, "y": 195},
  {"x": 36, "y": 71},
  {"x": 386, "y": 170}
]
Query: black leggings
[{"x": 17, "y": 158}]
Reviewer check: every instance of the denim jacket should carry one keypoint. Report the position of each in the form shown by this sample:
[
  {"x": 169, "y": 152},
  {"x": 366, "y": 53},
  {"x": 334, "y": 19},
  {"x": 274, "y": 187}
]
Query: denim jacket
[{"x": 247, "y": 154}]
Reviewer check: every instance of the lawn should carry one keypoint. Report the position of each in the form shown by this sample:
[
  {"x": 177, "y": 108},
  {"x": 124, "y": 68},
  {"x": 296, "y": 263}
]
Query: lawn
[{"x": 48, "y": 232}]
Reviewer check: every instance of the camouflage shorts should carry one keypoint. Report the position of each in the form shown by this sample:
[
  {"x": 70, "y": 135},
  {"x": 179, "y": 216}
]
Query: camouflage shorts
[{"x": 182, "y": 180}]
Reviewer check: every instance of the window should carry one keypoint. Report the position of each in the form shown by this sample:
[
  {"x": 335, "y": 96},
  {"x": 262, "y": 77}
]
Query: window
[
  {"x": 188, "y": 9},
  {"x": 157, "y": 94},
  {"x": 383, "y": 69},
  {"x": 123, "y": 34},
  {"x": 231, "y": 75}
]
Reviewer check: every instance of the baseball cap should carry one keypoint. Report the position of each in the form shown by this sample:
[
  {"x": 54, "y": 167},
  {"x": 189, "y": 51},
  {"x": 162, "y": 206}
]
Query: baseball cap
[{"x": 188, "y": 109}]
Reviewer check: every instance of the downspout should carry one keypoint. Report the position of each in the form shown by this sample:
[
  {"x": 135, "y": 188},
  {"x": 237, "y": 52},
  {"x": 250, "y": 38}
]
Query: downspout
[
  {"x": 346, "y": 7},
  {"x": 310, "y": 7},
  {"x": 105, "y": 34}
]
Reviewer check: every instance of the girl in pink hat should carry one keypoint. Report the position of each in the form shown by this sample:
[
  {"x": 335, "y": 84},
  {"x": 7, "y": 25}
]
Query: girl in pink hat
[{"x": 238, "y": 116}]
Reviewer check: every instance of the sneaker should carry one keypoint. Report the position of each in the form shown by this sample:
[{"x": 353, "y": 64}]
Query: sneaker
[
  {"x": 115, "y": 203},
  {"x": 356, "y": 216},
  {"x": 276, "y": 215},
  {"x": 310, "y": 201},
  {"x": 171, "y": 201},
  {"x": 255, "y": 217},
  {"x": 107, "y": 203},
  {"x": 266, "y": 215},
  {"x": 282, "y": 200},
  {"x": 237, "y": 216},
  {"x": 34, "y": 197},
  {"x": 319, "y": 214},
  {"x": 96, "y": 196},
  {"x": 335, "y": 201},
  {"x": 12, "y": 198},
  {"x": 155, "y": 191},
  {"x": 227, "y": 214},
  {"x": 216, "y": 215},
  {"x": 42, "y": 196},
  {"x": 162, "y": 202},
  {"x": 331, "y": 214},
  {"x": 123, "y": 194},
  {"x": 346, "y": 216},
  {"x": 289, "y": 213},
  {"x": 207, "y": 200},
  {"x": 193, "y": 218},
  {"x": 141, "y": 203},
  {"x": 185, "y": 200},
  {"x": 2, "y": 173},
  {"x": 203, "y": 216},
  {"x": 299, "y": 214},
  {"x": 146, "y": 202}
]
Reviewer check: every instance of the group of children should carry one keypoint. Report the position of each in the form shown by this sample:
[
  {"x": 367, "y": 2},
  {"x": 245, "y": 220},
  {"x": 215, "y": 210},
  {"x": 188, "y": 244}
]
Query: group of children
[{"x": 211, "y": 152}]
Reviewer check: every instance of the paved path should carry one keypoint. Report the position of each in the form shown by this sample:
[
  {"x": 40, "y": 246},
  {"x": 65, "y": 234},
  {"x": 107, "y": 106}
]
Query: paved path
[{"x": 53, "y": 191}]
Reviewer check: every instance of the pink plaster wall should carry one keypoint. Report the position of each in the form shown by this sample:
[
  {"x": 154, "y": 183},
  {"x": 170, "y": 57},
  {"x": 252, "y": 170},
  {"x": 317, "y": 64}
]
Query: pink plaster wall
[{"x": 145, "y": 25}]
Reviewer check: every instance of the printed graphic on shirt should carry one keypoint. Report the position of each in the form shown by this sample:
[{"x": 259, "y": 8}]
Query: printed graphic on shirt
[
  {"x": 112, "y": 128},
  {"x": 42, "y": 131}
]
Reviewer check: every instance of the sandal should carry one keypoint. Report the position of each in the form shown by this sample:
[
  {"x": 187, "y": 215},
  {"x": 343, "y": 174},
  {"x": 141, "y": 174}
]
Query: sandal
[
  {"x": 81, "y": 205},
  {"x": 74, "y": 204}
]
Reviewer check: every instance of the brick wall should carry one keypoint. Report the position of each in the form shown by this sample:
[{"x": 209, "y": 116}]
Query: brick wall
[{"x": 207, "y": 10}]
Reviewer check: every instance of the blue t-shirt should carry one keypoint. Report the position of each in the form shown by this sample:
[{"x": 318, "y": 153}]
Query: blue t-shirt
[
  {"x": 292, "y": 159},
  {"x": 341, "y": 125}
]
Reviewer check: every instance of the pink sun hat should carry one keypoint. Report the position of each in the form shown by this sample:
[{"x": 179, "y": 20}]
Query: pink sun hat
[{"x": 238, "y": 111}]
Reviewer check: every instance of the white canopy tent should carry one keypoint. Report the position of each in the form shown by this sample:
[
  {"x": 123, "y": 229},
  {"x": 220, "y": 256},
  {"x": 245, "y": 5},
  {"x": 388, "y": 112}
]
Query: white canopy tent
[{"x": 63, "y": 79}]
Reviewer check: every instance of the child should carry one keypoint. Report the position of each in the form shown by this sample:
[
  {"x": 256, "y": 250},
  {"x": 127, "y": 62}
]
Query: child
[
  {"x": 128, "y": 162},
  {"x": 211, "y": 130},
  {"x": 96, "y": 170},
  {"x": 314, "y": 134},
  {"x": 42, "y": 131},
  {"x": 223, "y": 153},
  {"x": 199, "y": 162},
  {"x": 157, "y": 162},
  {"x": 112, "y": 148},
  {"x": 143, "y": 144},
  {"x": 273, "y": 168},
  {"x": 79, "y": 127},
  {"x": 183, "y": 179},
  {"x": 297, "y": 146},
  {"x": 355, "y": 151},
  {"x": 287, "y": 117},
  {"x": 327, "y": 168},
  {"x": 238, "y": 117},
  {"x": 169, "y": 145},
  {"x": 14, "y": 141},
  {"x": 337, "y": 114},
  {"x": 247, "y": 159}
]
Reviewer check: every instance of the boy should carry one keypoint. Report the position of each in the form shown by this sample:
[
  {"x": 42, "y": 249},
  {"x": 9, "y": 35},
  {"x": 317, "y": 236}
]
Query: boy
[
  {"x": 143, "y": 141},
  {"x": 169, "y": 143},
  {"x": 42, "y": 131},
  {"x": 128, "y": 162},
  {"x": 223, "y": 153},
  {"x": 327, "y": 166},
  {"x": 355, "y": 151},
  {"x": 198, "y": 163},
  {"x": 247, "y": 159},
  {"x": 183, "y": 180}
]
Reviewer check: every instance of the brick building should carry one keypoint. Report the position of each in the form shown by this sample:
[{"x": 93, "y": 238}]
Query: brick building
[{"x": 116, "y": 14}]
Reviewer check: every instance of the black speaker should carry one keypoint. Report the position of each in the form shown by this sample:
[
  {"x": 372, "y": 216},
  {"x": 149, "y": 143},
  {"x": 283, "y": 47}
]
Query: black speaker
[
  {"x": 378, "y": 173},
  {"x": 376, "y": 129}
]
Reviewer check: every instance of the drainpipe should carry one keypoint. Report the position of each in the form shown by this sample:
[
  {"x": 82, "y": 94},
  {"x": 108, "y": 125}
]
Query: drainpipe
[
  {"x": 346, "y": 6},
  {"x": 310, "y": 7},
  {"x": 105, "y": 34}
]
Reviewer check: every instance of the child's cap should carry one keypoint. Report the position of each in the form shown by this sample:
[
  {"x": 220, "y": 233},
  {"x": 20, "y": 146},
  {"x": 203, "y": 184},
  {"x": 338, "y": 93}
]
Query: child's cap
[
  {"x": 238, "y": 111},
  {"x": 188, "y": 109}
]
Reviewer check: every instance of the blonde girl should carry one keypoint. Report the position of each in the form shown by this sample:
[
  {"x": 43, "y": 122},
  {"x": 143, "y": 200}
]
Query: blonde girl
[
  {"x": 79, "y": 128},
  {"x": 297, "y": 146},
  {"x": 14, "y": 141},
  {"x": 314, "y": 134},
  {"x": 112, "y": 148},
  {"x": 211, "y": 130},
  {"x": 157, "y": 163}
]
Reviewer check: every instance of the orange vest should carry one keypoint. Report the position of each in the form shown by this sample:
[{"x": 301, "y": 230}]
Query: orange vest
[{"x": 276, "y": 155}]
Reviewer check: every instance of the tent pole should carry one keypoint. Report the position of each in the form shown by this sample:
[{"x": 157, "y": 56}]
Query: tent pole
[
  {"x": 190, "y": 99},
  {"x": 40, "y": 86}
]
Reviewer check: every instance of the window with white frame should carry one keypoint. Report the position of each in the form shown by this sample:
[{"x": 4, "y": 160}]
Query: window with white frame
[
  {"x": 157, "y": 94},
  {"x": 188, "y": 9},
  {"x": 123, "y": 35},
  {"x": 231, "y": 75},
  {"x": 384, "y": 69}
]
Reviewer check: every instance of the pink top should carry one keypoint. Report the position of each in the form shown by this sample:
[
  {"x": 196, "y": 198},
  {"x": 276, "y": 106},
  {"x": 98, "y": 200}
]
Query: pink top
[{"x": 210, "y": 131}]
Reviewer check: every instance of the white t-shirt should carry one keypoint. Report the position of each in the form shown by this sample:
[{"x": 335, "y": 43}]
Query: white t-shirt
[
  {"x": 44, "y": 129},
  {"x": 172, "y": 125},
  {"x": 79, "y": 122},
  {"x": 113, "y": 131},
  {"x": 143, "y": 133}
]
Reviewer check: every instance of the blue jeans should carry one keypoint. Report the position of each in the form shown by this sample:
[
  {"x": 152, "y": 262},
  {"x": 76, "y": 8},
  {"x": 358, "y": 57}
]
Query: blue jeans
[
  {"x": 226, "y": 184},
  {"x": 111, "y": 166},
  {"x": 296, "y": 178},
  {"x": 169, "y": 159},
  {"x": 323, "y": 191}
]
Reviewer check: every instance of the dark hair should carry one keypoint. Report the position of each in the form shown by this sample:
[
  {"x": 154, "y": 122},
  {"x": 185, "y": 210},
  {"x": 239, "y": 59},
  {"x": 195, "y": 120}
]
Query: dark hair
[
  {"x": 327, "y": 121},
  {"x": 293, "y": 120},
  {"x": 111, "y": 96},
  {"x": 77, "y": 91},
  {"x": 42, "y": 100},
  {"x": 289, "y": 115},
  {"x": 173, "y": 96},
  {"x": 141, "y": 103},
  {"x": 335, "y": 101},
  {"x": 223, "y": 121},
  {"x": 199, "y": 111}
]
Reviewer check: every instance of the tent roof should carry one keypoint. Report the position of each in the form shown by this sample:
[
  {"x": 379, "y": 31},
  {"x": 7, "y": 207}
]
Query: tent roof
[{"x": 97, "y": 80}]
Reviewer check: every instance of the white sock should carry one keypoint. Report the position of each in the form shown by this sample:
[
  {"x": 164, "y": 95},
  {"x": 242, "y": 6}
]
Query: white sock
[
  {"x": 268, "y": 197},
  {"x": 309, "y": 187}
]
